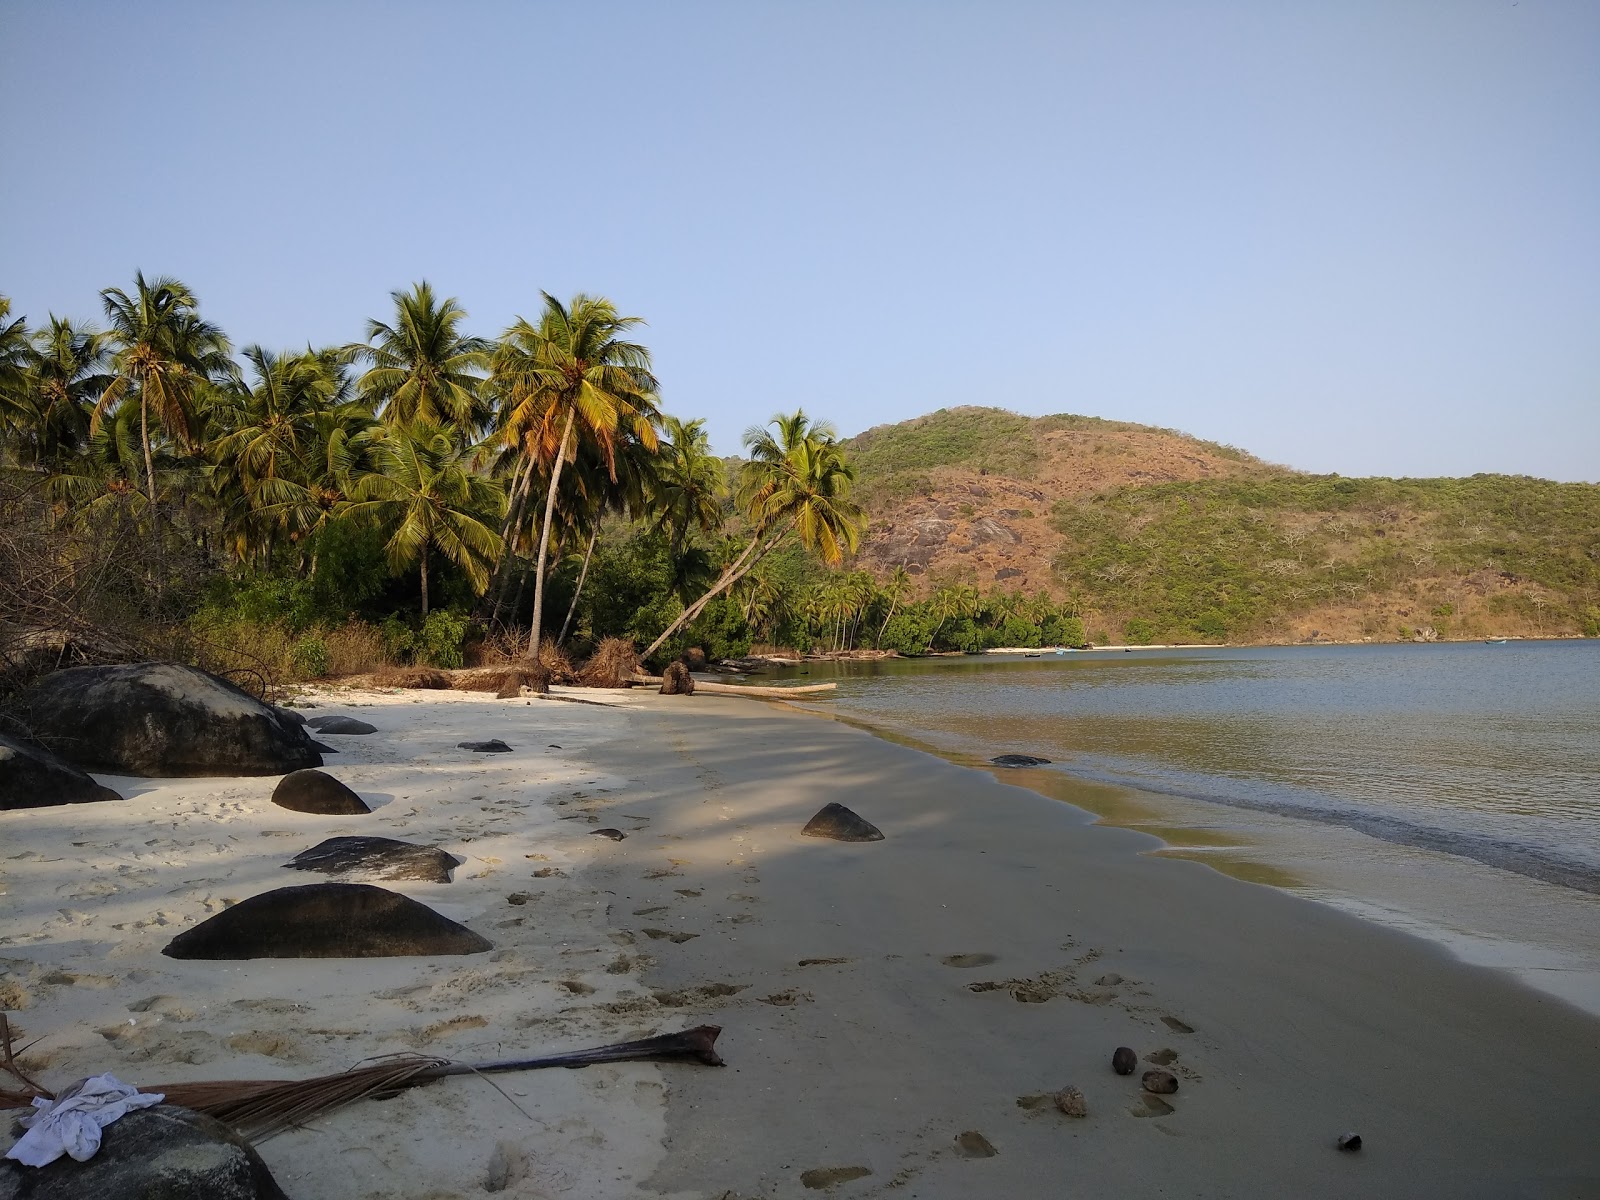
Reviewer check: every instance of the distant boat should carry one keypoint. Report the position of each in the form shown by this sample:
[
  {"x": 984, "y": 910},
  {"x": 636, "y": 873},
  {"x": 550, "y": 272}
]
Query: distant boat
[
  {"x": 1494, "y": 641},
  {"x": 1030, "y": 656}
]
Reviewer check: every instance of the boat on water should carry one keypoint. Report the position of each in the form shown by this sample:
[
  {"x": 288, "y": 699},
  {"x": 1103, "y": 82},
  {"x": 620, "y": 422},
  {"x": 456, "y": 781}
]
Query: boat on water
[{"x": 1495, "y": 641}]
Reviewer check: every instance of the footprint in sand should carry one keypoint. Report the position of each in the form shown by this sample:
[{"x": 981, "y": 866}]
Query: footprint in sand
[
  {"x": 576, "y": 987},
  {"x": 1176, "y": 1025},
  {"x": 822, "y": 962},
  {"x": 825, "y": 1177},
  {"x": 444, "y": 1029},
  {"x": 968, "y": 960},
  {"x": 676, "y": 938},
  {"x": 684, "y": 997},
  {"x": 691, "y": 892},
  {"x": 973, "y": 1144},
  {"x": 651, "y": 911},
  {"x": 1163, "y": 1057},
  {"x": 661, "y": 873},
  {"x": 1151, "y": 1106},
  {"x": 785, "y": 999}
]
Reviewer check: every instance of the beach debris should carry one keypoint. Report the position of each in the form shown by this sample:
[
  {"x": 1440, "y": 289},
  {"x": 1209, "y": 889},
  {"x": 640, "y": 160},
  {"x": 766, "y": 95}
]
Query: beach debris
[
  {"x": 1161, "y": 1083},
  {"x": 161, "y": 719},
  {"x": 518, "y": 898},
  {"x": 1350, "y": 1141},
  {"x": 1163, "y": 1057},
  {"x": 508, "y": 1164},
  {"x": 71, "y": 1124},
  {"x": 823, "y": 1177},
  {"x": 1019, "y": 760},
  {"x": 377, "y": 858},
  {"x": 427, "y": 678},
  {"x": 613, "y": 664},
  {"x": 341, "y": 725},
  {"x": 313, "y": 791},
  {"x": 32, "y": 777},
  {"x": 492, "y": 746},
  {"x": 676, "y": 680},
  {"x": 1124, "y": 1059},
  {"x": 836, "y": 821},
  {"x": 1070, "y": 1101},
  {"x": 972, "y": 1144},
  {"x": 159, "y": 1151},
  {"x": 616, "y": 835},
  {"x": 326, "y": 920},
  {"x": 506, "y": 683}
]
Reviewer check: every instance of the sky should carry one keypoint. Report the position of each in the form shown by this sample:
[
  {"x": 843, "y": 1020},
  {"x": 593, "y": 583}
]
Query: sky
[{"x": 1352, "y": 237}]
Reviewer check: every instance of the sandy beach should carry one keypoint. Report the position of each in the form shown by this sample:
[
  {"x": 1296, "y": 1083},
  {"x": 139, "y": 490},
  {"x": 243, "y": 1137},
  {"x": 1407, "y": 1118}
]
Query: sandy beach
[{"x": 893, "y": 1011}]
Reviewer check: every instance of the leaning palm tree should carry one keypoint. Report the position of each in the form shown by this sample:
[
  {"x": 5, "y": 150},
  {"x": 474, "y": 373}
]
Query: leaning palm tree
[
  {"x": 796, "y": 483},
  {"x": 427, "y": 496},
  {"x": 899, "y": 585},
  {"x": 166, "y": 357},
  {"x": 571, "y": 377},
  {"x": 423, "y": 367}
]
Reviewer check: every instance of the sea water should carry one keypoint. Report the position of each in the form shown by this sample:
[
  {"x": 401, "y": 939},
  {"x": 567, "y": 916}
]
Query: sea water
[{"x": 1449, "y": 789}]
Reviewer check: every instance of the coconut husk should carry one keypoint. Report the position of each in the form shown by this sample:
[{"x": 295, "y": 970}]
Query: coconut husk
[
  {"x": 613, "y": 664},
  {"x": 412, "y": 677}
]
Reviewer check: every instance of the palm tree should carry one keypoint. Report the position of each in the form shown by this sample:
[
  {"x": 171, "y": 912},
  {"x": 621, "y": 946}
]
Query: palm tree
[
  {"x": 426, "y": 494},
  {"x": 16, "y": 363},
  {"x": 572, "y": 373},
  {"x": 795, "y": 483},
  {"x": 899, "y": 584},
  {"x": 690, "y": 484},
  {"x": 423, "y": 368},
  {"x": 69, "y": 375},
  {"x": 166, "y": 356}
]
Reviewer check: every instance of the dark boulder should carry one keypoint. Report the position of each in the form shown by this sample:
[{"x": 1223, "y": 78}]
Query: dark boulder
[
  {"x": 32, "y": 777},
  {"x": 340, "y": 725},
  {"x": 676, "y": 680},
  {"x": 377, "y": 858},
  {"x": 317, "y": 792},
  {"x": 1018, "y": 760},
  {"x": 326, "y": 920},
  {"x": 492, "y": 746},
  {"x": 289, "y": 714},
  {"x": 162, "y": 719},
  {"x": 839, "y": 823},
  {"x": 160, "y": 1153}
]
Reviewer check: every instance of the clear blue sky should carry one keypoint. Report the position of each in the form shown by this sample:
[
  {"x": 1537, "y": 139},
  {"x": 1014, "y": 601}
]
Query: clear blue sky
[{"x": 1354, "y": 237}]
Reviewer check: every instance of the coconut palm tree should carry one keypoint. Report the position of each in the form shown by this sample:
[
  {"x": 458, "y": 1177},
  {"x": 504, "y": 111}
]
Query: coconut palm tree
[
  {"x": 166, "y": 357},
  {"x": 427, "y": 496},
  {"x": 16, "y": 364},
  {"x": 690, "y": 484},
  {"x": 899, "y": 585},
  {"x": 570, "y": 378},
  {"x": 67, "y": 377},
  {"x": 796, "y": 483},
  {"x": 423, "y": 367}
]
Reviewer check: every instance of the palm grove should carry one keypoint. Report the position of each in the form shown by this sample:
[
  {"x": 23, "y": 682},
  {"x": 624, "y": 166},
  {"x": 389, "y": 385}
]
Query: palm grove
[{"x": 399, "y": 498}]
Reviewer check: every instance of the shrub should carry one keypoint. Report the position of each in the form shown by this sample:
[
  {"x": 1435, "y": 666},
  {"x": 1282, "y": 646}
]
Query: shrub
[{"x": 309, "y": 658}]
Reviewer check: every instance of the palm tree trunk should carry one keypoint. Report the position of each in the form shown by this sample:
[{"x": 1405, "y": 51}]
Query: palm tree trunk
[
  {"x": 149, "y": 459},
  {"x": 424, "y": 579},
  {"x": 578, "y": 591},
  {"x": 878, "y": 642},
  {"x": 741, "y": 567},
  {"x": 519, "y": 500},
  {"x": 544, "y": 539}
]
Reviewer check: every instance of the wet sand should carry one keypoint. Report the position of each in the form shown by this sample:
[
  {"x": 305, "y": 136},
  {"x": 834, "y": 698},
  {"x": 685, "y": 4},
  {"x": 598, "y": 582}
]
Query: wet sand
[{"x": 879, "y": 1000}]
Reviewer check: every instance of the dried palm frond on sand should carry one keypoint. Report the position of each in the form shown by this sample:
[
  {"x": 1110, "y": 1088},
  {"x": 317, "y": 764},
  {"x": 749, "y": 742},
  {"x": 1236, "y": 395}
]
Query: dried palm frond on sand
[
  {"x": 259, "y": 1108},
  {"x": 613, "y": 664}
]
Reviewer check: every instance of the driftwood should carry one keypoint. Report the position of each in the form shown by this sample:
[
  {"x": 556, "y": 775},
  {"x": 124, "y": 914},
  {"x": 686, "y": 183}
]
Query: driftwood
[
  {"x": 260, "y": 1108},
  {"x": 730, "y": 689}
]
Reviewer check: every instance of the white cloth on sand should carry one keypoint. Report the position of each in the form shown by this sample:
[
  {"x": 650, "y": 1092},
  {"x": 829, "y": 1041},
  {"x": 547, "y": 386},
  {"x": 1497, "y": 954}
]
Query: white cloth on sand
[{"x": 71, "y": 1123}]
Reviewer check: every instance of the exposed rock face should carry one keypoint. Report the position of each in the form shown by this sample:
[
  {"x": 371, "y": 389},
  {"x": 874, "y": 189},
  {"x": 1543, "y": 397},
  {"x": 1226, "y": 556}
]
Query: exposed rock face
[
  {"x": 162, "y": 719},
  {"x": 340, "y": 725},
  {"x": 317, "y": 792},
  {"x": 377, "y": 858},
  {"x": 32, "y": 777},
  {"x": 676, "y": 680},
  {"x": 839, "y": 823},
  {"x": 326, "y": 920},
  {"x": 160, "y": 1153}
]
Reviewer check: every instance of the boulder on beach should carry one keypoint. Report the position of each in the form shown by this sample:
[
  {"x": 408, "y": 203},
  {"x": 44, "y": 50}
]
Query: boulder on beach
[
  {"x": 313, "y": 791},
  {"x": 32, "y": 777},
  {"x": 377, "y": 858},
  {"x": 161, "y": 719},
  {"x": 676, "y": 680},
  {"x": 1018, "y": 760},
  {"x": 492, "y": 746},
  {"x": 839, "y": 823},
  {"x": 341, "y": 725},
  {"x": 289, "y": 714},
  {"x": 326, "y": 920},
  {"x": 159, "y": 1153}
]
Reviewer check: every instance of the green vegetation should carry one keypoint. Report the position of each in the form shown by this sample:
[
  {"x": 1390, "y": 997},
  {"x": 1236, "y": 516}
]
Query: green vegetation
[
  {"x": 893, "y": 460},
  {"x": 1223, "y": 559}
]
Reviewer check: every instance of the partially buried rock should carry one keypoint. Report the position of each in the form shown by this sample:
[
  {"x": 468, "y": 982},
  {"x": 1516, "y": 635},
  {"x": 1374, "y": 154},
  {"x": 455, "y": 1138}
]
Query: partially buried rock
[
  {"x": 1070, "y": 1101},
  {"x": 1018, "y": 760},
  {"x": 161, "y": 719},
  {"x": 317, "y": 792},
  {"x": 1124, "y": 1060},
  {"x": 159, "y": 1153},
  {"x": 1162, "y": 1083},
  {"x": 340, "y": 725},
  {"x": 1350, "y": 1141},
  {"x": 326, "y": 920},
  {"x": 615, "y": 835},
  {"x": 32, "y": 777},
  {"x": 676, "y": 680},
  {"x": 492, "y": 746},
  {"x": 377, "y": 858},
  {"x": 839, "y": 823}
]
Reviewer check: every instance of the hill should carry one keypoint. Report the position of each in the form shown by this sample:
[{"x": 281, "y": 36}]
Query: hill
[{"x": 1154, "y": 535}]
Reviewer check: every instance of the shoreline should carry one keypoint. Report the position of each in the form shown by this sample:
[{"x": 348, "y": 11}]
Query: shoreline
[{"x": 878, "y": 999}]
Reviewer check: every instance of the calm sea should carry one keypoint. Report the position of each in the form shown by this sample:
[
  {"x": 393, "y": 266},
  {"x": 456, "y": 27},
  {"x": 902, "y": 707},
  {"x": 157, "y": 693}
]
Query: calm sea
[{"x": 1472, "y": 770}]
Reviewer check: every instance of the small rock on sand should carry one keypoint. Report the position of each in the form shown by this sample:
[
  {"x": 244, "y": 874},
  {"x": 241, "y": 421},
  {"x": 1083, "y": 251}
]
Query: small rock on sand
[
  {"x": 1124, "y": 1060},
  {"x": 1070, "y": 1101},
  {"x": 616, "y": 835},
  {"x": 1162, "y": 1083},
  {"x": 492, "y": 746},
  {"x": 839, "y": 823},
  {"x": 317, "y": 792},
  {"x": 1350, "y": 1141},
  {"x": 1019, "y": 760}
]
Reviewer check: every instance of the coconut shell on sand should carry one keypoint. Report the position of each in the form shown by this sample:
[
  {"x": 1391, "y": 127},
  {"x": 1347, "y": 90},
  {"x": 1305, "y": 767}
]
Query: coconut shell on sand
[{"x": 326, "y": 920}]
